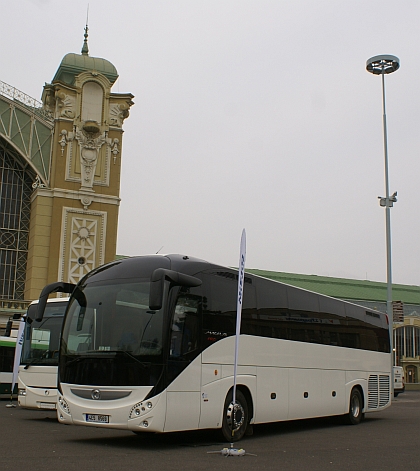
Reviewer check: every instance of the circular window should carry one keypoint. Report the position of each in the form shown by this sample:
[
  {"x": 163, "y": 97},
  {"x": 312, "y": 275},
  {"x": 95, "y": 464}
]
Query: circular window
[{"x": 7, "y": 239}]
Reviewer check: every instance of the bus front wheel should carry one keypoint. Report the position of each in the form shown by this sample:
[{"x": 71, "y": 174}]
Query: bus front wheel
[
  {"x": 355, "y": 414},
  {"x": 235, "y": 417}
]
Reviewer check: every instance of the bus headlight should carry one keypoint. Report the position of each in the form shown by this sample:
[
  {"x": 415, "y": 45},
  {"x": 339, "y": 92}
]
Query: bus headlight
[
  {"x": 21, "y": 392},
  {"x": 63, "y": 405},
  {"x": 140, "y": 408}
]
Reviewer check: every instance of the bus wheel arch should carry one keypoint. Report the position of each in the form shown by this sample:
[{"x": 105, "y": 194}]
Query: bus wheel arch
[
  {"x": 356, "y": 404},
  {"x": 240, "y": 417}
]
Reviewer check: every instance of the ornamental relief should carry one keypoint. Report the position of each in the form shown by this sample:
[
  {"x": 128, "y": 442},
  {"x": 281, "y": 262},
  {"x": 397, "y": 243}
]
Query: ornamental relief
[
  {"x": 65, "y": 105},
  {"x": 89, "y": 146},
  {"x": 82, "y": 243},
  {"x": 59, "y": 103},
  {"x": 83, "y": 240},
  {"x": 118, "y": 113},
  {"x": 88, "y": 156},
  {"x": 89, "y": 151}
]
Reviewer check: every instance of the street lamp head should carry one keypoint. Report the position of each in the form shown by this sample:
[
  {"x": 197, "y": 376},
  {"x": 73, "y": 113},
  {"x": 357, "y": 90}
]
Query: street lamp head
[{"x": 384, "y": 64}]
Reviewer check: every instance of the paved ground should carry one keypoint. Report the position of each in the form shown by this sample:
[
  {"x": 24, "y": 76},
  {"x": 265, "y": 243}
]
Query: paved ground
[{"x": 390, "y": 440}]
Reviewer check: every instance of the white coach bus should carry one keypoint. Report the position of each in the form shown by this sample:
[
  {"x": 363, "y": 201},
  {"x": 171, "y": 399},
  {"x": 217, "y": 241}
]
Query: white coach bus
[
  {"x": 37, "y": 377},
  {"x": 7, "y": 355},
  {"x": 148, "y": 345}
]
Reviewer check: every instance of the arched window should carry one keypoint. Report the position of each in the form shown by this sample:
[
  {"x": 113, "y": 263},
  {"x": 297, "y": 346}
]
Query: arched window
[
  {"x": 406, "y": 343},
  {"x": 15, "y": 203},
  {"x": 92, "y": 99}
]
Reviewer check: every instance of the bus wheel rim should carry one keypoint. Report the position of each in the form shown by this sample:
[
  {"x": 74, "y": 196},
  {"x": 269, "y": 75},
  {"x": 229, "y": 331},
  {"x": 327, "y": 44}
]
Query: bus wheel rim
[
  {"x": 235, "y": 416},
  {"x": 355, "y": 407}
]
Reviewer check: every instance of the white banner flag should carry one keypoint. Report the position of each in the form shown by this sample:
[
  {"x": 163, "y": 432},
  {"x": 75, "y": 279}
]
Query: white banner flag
[
  {"x": 241, "y": 274},
  {"x": 18, "y": 351}
]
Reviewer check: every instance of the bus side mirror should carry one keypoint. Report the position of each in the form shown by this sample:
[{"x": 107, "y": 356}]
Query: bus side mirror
[
  {"x": 8, "y": 330},
  {"x": 157, "y": 282},
  {"x": 58, "y": 287}
]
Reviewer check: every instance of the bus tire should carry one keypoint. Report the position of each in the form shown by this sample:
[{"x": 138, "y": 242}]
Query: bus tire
[
  {"x": 355, "y": 413},
  {"x": 236, "y": 416}
]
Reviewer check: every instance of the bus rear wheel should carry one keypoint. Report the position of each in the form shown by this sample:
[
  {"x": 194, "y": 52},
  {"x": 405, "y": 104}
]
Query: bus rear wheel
[
  {"x": 235, "y": 417},
  {"x": 355, "y": 414}
]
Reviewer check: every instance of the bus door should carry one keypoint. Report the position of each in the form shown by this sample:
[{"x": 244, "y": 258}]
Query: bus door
[{"x": 184, "y": 375}]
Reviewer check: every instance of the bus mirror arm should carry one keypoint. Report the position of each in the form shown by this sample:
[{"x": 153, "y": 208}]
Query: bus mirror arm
[
  {"x": 80, "y": 297},
  {"x": 58, "y": 287},
  {"x": 157, "y": 281}
]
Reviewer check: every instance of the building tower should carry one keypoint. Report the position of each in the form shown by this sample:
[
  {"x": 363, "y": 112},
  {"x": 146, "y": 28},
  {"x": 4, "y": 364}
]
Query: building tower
[{"x": 64, "y": 154}]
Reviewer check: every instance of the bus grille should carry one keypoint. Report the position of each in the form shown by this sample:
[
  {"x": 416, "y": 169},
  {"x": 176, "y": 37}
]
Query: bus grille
[
  {"x": 384, "y": 388},
  {"x": 378, "y": 391}
]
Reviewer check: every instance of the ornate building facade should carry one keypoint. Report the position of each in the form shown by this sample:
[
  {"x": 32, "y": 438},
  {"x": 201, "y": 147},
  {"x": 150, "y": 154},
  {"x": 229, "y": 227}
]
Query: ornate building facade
[{"x": 60, "y": 167}]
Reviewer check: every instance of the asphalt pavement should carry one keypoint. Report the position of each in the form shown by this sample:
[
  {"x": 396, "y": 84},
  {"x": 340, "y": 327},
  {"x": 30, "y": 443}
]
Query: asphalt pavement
[{"x": 388, "y": 440}]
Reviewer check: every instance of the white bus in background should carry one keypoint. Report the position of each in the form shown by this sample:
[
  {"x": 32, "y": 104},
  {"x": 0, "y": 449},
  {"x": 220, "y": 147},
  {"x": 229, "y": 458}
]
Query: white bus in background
[
  {"x": 7, "y": 355},
  {"x": 399, "y": 383},
  {"x": 148, "y": 345},
  {"x": 37, "y": 377}
]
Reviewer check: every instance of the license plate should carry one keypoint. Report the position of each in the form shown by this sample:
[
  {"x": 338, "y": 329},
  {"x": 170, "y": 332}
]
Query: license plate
[{"x": 98, "y": 418}]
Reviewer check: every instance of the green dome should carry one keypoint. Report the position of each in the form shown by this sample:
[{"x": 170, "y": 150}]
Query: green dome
[{"x": 73, "y": 64}]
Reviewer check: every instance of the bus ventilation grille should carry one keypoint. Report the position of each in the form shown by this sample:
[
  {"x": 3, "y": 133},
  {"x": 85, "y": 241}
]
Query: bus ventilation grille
[{"x": 378, "y": 391}]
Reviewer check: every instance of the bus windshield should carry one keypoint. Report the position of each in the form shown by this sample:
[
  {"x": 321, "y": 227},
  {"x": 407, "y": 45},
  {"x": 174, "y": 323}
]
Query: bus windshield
[
  {"x": 110, "y": 335},
  {"x": 41, "y": 339}
]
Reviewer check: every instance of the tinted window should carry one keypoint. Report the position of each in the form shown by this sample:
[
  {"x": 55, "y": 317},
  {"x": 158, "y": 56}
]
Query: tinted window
[
  {"x": 220, "y": 291},
  {"x": 7, "y": 355},
  {"x": 280, "y": 311},
  {"x": 289, "y": 313}
]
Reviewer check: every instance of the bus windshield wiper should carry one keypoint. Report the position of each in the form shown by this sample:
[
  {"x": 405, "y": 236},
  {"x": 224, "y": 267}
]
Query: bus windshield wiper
[
  {"x": 34, "y": 360},
  {"x": 74, "y": 360},
  {"x": 30, "y": 362}
]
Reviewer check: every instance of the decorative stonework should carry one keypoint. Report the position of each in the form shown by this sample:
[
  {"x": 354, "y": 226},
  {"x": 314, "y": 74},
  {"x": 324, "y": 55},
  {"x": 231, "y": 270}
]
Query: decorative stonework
[
  {"x": 118, "y": 112},
  {"x": 48, "y": 99},
  {"x": 85, "y": 198},
  {"x": 63, "y": 140},
  {"x": 90, "y": 145},
  {"x": 89, "y": 162},
  {"x": 86, "y": 201},
  {"x": 82, "y": 243},
  {"x": 66, "y": 105},
  {"x": 114, "y": 148},
  {"x": 38, "y": 183}
]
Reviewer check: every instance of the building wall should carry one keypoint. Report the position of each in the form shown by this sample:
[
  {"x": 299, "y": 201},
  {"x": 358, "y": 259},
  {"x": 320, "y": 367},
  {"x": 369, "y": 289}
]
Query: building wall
[
  {"x": 407, "y": 349},
  {"x": 75, "y": 218},
  {"x": 76, "y": 192}
]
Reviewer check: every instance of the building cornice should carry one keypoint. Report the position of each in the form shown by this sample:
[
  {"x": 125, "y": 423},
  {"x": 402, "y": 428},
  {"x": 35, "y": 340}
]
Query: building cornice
[{"x": 86, "y": 197}]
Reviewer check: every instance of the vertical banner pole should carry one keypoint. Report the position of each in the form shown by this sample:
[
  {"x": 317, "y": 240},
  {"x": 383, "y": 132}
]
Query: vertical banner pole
[
  {"x": 241, "y": 273},
  {"x": 232, "y": 407}
]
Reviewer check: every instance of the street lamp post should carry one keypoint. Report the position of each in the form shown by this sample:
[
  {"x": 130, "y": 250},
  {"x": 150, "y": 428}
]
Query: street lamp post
[{"x": 381, "y": 65}]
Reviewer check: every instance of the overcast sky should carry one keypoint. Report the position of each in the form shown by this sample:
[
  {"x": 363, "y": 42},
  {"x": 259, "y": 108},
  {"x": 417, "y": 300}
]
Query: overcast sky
[{"x": 250, "y": 114}]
